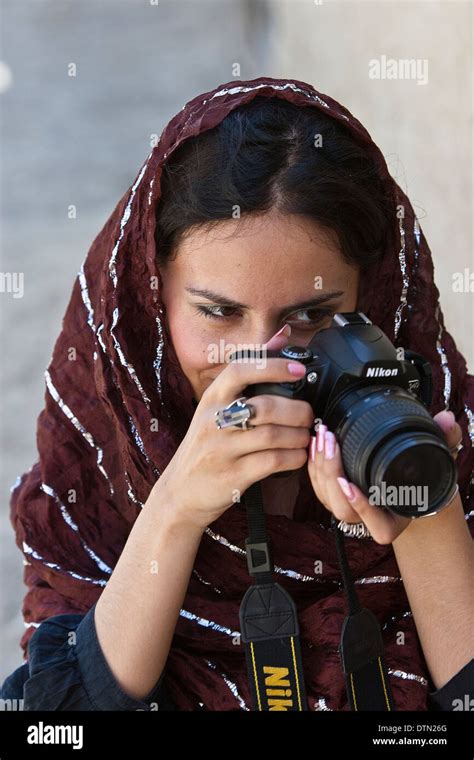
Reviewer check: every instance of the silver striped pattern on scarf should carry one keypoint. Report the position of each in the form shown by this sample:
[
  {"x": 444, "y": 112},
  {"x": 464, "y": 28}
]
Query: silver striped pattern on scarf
[
  {"x": 232, "y": 686},
  {"x": 405, "y": 280},
  {"x": 444, "y": 361},
  {"x": 293, "y": 573},
  {"x": 34, "y": 554},
  {"x": 88, "y": 437},
  {"x": 69, "y": 521}
]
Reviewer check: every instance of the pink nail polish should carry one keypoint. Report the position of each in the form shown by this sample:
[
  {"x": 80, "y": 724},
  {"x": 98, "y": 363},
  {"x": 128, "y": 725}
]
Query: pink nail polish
[
  {"x": 312, "y": 448},
  {"x": 296, "y": 369},
  {"x": 285, "y": 330},
  {"x": 321, "y": 432},
  {"x": 346, "y": 488},
  {"x": 329, "y": 445}
]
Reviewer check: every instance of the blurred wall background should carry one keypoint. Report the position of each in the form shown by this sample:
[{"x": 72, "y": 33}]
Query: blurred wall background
[{"x": 81, "y": 140}]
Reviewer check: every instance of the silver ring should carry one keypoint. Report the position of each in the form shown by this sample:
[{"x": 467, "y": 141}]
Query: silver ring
[
  {"x": 235, "y": 414},
  {"x": 457, "y": 448},
  {"x": 354, "y": 530}
]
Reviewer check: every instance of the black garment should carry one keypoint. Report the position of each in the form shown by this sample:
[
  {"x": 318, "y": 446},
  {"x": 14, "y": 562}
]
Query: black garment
[
  {"x": 458, "y": 693},
  {"x": 61, "y": 675},
  {"x": 64, "y": 676}
]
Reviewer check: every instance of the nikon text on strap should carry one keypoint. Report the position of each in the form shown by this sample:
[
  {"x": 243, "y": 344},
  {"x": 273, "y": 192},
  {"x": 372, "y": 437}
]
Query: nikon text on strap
[
  {"x": 270, "y": 632},
  {"x": 269, "y": 624}
]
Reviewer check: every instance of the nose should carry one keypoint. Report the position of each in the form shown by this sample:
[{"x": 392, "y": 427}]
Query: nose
[{"x": 271, "y": 338}]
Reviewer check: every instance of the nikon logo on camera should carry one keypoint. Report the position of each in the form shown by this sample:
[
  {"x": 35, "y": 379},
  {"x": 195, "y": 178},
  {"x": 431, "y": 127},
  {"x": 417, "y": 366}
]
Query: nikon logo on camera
[
  {"x": 381, "y": 372},
  {"x": 277, "y": 688}
]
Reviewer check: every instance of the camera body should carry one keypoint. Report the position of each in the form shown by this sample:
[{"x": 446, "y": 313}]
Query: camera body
[{"x": 374, "y": 397}]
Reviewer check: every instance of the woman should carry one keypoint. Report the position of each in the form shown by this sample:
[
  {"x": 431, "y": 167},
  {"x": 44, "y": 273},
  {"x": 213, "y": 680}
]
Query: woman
[{"x": 259, "y": 197}]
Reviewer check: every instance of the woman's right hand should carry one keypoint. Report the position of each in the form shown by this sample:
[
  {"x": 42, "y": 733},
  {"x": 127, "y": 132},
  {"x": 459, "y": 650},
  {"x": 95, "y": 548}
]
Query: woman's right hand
[{"x": 213, "y": 467}]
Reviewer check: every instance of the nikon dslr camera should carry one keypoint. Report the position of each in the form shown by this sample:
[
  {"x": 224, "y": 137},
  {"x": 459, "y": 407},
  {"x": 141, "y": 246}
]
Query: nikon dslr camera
[{"x": 376, "y": 404}]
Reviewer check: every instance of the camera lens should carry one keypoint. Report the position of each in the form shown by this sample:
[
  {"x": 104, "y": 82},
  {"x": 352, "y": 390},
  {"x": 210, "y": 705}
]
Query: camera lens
[
  {"x": 394, "y": 451},
  {"x": 418, "y": 468}
]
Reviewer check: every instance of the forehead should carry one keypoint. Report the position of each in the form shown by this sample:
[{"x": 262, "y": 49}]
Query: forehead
[{"x": 264, "y": 244}]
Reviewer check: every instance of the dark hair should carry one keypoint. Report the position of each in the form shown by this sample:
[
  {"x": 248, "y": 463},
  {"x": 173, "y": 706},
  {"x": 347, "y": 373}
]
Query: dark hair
[{"x": 263, "y": 156}]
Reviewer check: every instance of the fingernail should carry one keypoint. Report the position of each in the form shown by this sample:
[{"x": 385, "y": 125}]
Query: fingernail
[
  {"x": 346, "y": 488},
  {"x": 296, "y": 369},
  {"x": 321, "y": 431},
  {"x": 312, "y": 449},
  {"x": 285, "y": 330},
  {"x": 329, "y": 445}
]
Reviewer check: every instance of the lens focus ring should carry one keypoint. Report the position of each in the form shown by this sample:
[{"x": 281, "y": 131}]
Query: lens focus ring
[{"x": 367, "y": 428}]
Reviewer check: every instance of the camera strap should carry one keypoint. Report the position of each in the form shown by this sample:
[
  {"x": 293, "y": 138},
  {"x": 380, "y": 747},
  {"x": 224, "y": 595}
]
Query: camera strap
[
  {"x": 361, "y": 647},
  {"x": 269, "y": 623},
  {"x": 270, "y": 632}
]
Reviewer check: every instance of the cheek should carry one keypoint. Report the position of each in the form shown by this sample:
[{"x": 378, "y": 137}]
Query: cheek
[{"x": 191, "y": 342}]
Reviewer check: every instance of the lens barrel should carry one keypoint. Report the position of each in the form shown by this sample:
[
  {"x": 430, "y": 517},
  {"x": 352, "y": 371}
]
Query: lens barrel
[{"x": 392, "y": 448}]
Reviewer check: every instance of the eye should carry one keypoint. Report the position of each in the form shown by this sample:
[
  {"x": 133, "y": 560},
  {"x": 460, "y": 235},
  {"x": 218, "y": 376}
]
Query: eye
[
  {"x": 311, "y": 318},
  {"x": 309, "y": 322},
  {"x": 212, "y": 311}
]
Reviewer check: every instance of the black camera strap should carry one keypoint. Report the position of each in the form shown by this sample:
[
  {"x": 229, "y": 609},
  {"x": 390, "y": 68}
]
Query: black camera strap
[
  {"x": 361, "y": 647},
  {"x": 269, "y": 623},
  {"x": 270, "y": 632}
]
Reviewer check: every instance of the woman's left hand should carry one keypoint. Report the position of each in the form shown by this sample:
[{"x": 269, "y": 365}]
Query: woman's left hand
[{"x": 345, "y": 500}]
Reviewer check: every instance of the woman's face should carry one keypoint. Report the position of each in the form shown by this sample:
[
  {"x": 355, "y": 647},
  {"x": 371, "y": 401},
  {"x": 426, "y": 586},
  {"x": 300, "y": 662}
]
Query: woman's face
[{"x": 239, "y": 283}]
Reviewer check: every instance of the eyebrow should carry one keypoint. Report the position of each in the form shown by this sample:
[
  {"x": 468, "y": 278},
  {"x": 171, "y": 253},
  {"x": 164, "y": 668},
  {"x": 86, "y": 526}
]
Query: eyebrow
[{"x": 224, "y": 301}]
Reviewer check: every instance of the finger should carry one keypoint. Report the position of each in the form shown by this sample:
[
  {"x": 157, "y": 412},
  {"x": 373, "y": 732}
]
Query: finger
[
  {"x": 315, "y": 466},
  {"x": 278, "y": 410},
  {"x": 260, "y": 464},
  {"x": 332, "y": 469},
  {"x": 452, "y": 430},
  {"x": 230, "y": 383},
  {"x": 280, "y": 339},
  {"x": 383, "y": 526},
  {"x": 265, "y": 437}
]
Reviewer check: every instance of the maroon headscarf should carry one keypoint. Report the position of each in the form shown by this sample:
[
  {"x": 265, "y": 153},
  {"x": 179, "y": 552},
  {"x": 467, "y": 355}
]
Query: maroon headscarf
[{"x": 114, "y": 369}]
